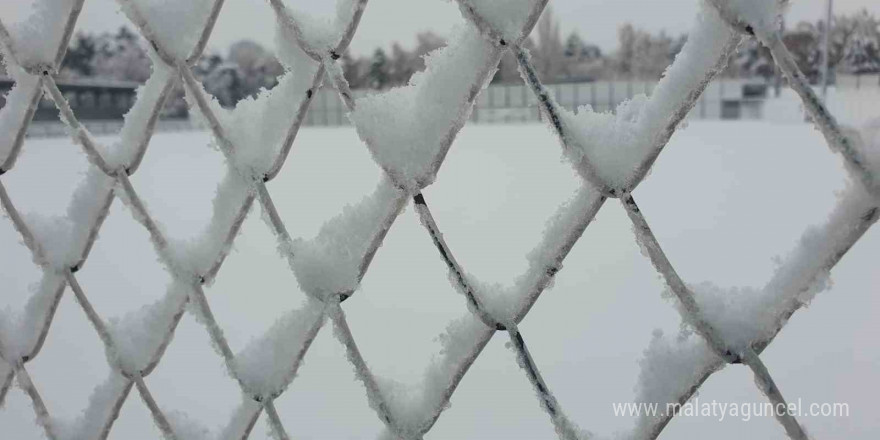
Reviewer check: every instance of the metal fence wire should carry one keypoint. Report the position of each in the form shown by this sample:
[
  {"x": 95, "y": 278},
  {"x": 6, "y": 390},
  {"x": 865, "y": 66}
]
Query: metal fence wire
[{"x": 110, "y": 179}]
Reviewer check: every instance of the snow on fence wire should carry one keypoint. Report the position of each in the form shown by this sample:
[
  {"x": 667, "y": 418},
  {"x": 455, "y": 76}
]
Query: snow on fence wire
[
  {"x": 408, "y": 131},
  {"x": 515, "y": 103}
]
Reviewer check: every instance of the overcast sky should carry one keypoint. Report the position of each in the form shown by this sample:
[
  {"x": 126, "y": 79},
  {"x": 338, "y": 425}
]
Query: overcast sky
[{"x": 386, "y": 21}]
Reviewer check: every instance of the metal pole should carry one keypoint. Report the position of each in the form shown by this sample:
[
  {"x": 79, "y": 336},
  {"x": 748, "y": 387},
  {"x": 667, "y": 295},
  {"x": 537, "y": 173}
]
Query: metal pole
[{"x": 825, "y": 59}]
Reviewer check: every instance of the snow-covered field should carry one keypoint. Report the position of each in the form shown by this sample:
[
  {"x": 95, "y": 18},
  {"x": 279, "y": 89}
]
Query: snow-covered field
[{"x": 724, "y": 199}]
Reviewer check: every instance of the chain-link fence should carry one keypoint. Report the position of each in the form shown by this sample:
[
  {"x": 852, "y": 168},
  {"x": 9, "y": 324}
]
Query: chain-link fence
[{"x": 330, "y": 267}]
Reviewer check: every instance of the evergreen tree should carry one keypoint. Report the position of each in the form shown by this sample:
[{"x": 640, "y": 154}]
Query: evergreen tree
[
  {"x": 79, "y": 57},
  {"x": 863, "y": 53},
  {"x": 378, "y": 70},
  {"x": 574, "y": 46}
]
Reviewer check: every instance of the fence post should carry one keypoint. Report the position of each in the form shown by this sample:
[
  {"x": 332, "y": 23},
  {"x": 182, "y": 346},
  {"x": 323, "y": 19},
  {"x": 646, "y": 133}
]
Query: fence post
[
  {"x": 593, "y": 95},
  {"x": 611, "y": 95}
]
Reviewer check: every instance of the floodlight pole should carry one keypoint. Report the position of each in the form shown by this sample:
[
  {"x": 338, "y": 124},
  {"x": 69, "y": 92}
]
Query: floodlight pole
[{"x": 825, "y": 59}]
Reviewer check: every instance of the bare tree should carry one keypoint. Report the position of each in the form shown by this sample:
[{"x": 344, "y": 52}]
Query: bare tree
[{"x": 549, "y": 54}]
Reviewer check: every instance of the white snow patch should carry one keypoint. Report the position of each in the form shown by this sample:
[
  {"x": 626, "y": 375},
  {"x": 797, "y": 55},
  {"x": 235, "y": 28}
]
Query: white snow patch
[
  {"x": 669, "y": 368},
  {"x": 87, "y": 204},
  {"x": 18, "y": 101},
  {"x": 265, "y": 365},
  {"x": 37, "y": 37},
  {"x": 177, "y": 25},
  {"x": 616, "y": 144},
  {"x": 320, "y": 32},
  {"x": 406, "y": 127},
  {"x": 185, "y": 428},
  {"x": 503, "y": 302},
  {"x": 739, "y": 314},
  {"x": 140, "y": 333},
  {"x": 134, "y": 132},
  {"x": 745, "y": 315},
  {"x": 764, "y": 15},
  {"x": 258, "y": 126},
  {"x": 63, "y": 239},
  {"x": 240, "y": 420},
  {"x": 95, "y": 416},
  {"x": 52, "y": 234},
  {"x": 330, "y": 262},
  {"x": 412, "y": 407},
  {"x": 20, "y": 331},
  {"x": 194, "y": 256}
]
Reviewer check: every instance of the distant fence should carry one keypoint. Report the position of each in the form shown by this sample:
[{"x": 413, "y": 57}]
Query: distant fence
[
  {"x": 729, "y": 99},
  {"x": 864, "y": 81},
  {"x": 509, "y": 103},
  {"x": 43, "y": 129},
  {"x": 94, "y": 99},
  {"x": 99, "y": 103}
]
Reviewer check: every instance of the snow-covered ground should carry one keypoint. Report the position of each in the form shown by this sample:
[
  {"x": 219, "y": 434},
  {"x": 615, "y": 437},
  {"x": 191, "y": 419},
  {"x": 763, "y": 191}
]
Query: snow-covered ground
[{"x": 725, "y": 199}]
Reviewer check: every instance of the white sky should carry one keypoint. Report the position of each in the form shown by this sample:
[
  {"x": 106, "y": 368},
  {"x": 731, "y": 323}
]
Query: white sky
[{"x": 386, "y": 21}]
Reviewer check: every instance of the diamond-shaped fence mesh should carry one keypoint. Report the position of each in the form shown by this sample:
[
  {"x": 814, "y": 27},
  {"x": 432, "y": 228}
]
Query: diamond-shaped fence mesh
[{"x": 408, "y": 131}]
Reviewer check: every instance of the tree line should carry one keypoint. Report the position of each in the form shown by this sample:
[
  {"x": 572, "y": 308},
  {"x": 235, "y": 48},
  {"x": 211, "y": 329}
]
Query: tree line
[
  {"x": 247, "y": 67},
  {"x": 853, "y": 48}
]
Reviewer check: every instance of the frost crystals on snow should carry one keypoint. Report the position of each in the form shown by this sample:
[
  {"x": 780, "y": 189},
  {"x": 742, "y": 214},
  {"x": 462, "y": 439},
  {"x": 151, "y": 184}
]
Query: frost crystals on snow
[
  {"x": 20, "y": 333},
  {"x": 266, "y": 365},
  {"x": 617, "y": 144},
  {"x": 176, "y": 25},
  {"x": 140, "y": 334},
  {"x": 409, "y": 128},
  {"x": 762, "y": 16},
  {"x": 669, "y": 368},
  {"x": 331, "y": 262},
  {"x": 35, "y": 40},
  {"x": 102, "y": 403},
  {"x": 746, "y": 316},
  {"x": 323, "y": 33},
  {"x": 18, "y": 102}
]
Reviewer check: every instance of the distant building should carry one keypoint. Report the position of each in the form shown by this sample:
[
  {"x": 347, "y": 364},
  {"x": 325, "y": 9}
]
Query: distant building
[{"x": 90, "y": 99}]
